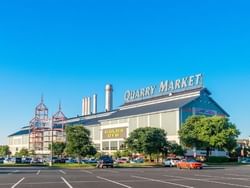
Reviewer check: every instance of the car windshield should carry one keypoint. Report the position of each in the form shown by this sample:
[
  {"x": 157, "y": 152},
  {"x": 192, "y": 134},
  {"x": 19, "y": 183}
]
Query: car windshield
[{"x": 191, "y": 160}]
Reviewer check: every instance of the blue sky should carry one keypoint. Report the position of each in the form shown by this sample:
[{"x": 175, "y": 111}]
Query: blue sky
[{"x": 70, "y": 49}]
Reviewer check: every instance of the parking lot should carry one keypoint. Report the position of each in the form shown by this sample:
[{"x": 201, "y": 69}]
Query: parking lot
[{"x": 125, "y": 177}]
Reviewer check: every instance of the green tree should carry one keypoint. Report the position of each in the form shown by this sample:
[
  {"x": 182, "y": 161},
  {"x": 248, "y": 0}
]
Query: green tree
[
  {"x": 126, "y": 153},
  {"x": 189, "y": 132},
  {"x": 176, "y": 149},
  {"x": 4, "y": 150},
  {"x": 147, "y": 140},
  {"x": 117, "y": 154},
  {"x": 22, "y": 153},
  {"x": 58, "y": 148},
  {"x": 32, "y": 153},
  {"x": 78, "y": 142},
  {"x": 209, "y": 132}
]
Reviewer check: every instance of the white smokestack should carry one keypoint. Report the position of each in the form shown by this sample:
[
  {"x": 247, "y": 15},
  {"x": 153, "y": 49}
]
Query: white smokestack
[
  {"x": 94, "y": 103},
  {"x": 83, "y": 106},
  {"x": 108, "y": 98},
  {"x": 89, "y": 106}
]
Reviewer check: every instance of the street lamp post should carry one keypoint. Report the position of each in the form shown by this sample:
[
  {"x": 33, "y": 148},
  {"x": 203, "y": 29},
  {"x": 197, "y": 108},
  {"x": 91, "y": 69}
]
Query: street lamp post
[{"x": 51, "y": 147}]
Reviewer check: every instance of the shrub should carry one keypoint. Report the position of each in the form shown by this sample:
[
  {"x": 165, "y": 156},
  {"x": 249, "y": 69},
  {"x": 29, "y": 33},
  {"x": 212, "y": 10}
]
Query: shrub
[{"x": 213, "y": 159}]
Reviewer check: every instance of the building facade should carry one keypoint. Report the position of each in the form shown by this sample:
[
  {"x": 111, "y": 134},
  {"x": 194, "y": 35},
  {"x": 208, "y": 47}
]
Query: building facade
[
  {"x": 19, "y": 140},
  {"x": 164, "y": 106}
]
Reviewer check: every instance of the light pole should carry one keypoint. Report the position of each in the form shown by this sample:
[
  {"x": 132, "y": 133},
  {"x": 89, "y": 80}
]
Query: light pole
[{"x": 51, "y": 147}]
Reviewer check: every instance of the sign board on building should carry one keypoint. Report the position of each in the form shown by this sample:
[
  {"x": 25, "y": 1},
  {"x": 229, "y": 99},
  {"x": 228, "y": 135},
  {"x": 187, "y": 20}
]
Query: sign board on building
[
  {"x": 114, "y": 133},
  {"x": 165, "y": 87}
]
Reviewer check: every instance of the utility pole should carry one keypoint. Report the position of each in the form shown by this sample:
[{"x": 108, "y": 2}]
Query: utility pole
[{"x": 51, "y": 147}]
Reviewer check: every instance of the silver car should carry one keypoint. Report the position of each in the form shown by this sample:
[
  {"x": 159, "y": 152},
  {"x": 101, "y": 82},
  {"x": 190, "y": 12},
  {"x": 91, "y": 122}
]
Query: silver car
[{"x": 171, "y": 162}]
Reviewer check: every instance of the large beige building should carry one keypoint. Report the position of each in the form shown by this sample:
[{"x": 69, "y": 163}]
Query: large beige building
[{"x": 165, "y": 105}]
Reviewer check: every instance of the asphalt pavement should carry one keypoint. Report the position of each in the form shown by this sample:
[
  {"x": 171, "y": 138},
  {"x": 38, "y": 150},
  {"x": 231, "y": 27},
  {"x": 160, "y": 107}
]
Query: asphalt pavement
[{"x": 222, "y": 177}]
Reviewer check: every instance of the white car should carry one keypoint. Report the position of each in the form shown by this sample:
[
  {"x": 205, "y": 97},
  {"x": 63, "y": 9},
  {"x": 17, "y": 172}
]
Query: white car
[
  {"x": 171, "y": 162},
  {"x": 9, "y": 161}
]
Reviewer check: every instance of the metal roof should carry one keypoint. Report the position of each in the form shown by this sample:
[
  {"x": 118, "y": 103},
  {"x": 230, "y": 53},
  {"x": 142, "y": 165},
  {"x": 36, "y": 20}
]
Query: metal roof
[
  {"x": 153, "y": 107},
  {"x": 166, "y": 96},
  {"x": 21, "y": 132},
  {"x": 138, "y": 110},
  {"x": 92, "y": 121}
]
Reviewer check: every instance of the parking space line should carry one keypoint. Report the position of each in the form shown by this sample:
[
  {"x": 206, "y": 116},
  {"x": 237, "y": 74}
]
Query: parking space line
[
  {"x": 208, "y": 181},
  {"x": 38, "y": 172},
  {"x": 238, "y": 175},
  {"x": 87, "y": 171},
  {"x": 110, "y": 171},
  {"x": 223, "y": 177},
  {"x": 115, "y": 182},
  {"x": 62, "y": 171},
  {"x": 18, "y": 182},
  {"x": 15, "y": 171},
  {"x": 67, "y": 183},
  {"x": 161, "y": 181}
]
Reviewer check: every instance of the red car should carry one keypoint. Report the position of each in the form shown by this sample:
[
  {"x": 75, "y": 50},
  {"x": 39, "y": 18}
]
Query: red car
[
  {"x": 189, "y": 163},
  {"x": 122, "y": 160}
]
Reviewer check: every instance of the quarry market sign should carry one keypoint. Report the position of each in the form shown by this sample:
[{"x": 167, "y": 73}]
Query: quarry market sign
[
  {"x": 114, "y": 133},
  {"x": 164, "y": 88}
]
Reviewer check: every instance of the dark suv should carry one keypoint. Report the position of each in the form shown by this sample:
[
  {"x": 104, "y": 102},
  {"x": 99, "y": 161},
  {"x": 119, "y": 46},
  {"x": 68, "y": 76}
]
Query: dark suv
[{"x": 105, "y": 161}]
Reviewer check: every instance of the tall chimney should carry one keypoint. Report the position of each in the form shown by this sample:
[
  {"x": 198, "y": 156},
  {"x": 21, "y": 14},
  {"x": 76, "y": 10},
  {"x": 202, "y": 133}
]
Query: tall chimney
[
  {"x": 108, "y": 98},
  {"x": 89, "y": 106},
  {"x": 83, "y": 106},
  {"x": 94, "y": 103}
]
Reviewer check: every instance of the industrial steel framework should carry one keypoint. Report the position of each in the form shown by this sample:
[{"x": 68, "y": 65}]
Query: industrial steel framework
[
  {"x": 43, "y": 130},
  {"x": 38, "y": 125}
]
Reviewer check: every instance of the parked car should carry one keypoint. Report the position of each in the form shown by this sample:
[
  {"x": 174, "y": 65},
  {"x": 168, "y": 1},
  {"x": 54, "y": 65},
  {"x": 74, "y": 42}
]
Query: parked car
[
  {"x": 245, "y": 161},
  {"x": 36, "y": 161},
  {"x": 26, "y": 160},
  {"x": 137, "y": 160},
  {"x": 1, "y": 159},
  {"x": 92, "y": 161},
  {"x": 9, "y": 160},
  {"x": 189, "y": 163},
  {"x": 171, "y": 162},
  {"x": 70, "y": 161},
  {"x": 105, "y": 161},
  {"x": 122, "y": 160}
]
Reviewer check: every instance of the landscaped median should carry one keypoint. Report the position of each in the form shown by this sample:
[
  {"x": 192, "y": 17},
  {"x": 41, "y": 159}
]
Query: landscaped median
[
  {"x": 121, "y": 165},
  {"x": 124, "y": 165}
]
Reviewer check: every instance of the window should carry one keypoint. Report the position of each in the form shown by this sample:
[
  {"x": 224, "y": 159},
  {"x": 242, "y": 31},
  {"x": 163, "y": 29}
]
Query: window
[
  {"x": 105, "y": 145},
  {"x": 113, "y": 145}
]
